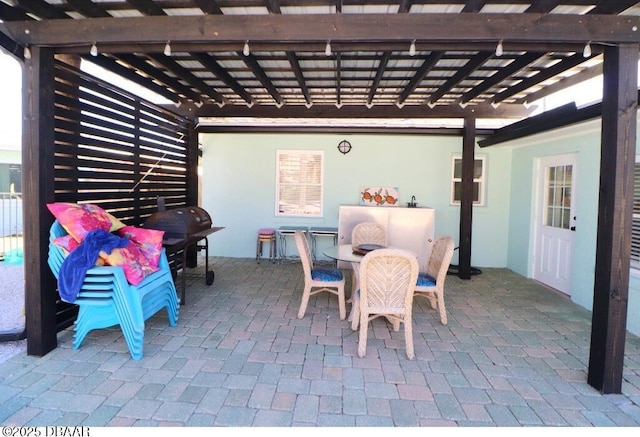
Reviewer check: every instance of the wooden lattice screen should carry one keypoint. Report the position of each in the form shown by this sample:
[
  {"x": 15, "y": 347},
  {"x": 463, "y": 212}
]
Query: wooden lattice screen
[{"x": 117, "y": 150}]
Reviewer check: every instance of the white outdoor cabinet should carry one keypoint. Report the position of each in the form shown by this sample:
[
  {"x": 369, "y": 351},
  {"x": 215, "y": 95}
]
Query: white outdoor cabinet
[{"x": 407, "y": 228}]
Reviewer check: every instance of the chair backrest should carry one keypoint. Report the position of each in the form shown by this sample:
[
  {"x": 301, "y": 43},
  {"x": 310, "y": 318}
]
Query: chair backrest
[
  {"x": 387, "y": 280},
  {"x": 56, "y": 254},
  {"x": 368, "y": 233},
  {"x": 440, "y": 258},
  {"x": 305, "y": 254}
]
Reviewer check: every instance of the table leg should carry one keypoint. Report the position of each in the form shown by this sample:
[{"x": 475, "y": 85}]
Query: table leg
[
  {"x": 282, "y": 246},
  {"x": 355, "y": 285},
  {"x": 313, "y": 247}
]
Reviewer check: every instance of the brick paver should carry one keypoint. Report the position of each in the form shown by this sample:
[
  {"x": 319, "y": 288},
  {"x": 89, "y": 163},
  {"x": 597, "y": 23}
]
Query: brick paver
[{"x": 512, "y": 354}]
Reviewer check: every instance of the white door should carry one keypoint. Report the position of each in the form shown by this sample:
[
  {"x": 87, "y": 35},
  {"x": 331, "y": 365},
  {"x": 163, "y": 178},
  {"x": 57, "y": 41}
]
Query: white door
[{"x": 555, "y": 222}]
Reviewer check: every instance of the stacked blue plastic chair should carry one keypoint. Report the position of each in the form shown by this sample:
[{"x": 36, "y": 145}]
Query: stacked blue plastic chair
[{"x": 106, "y": 299}]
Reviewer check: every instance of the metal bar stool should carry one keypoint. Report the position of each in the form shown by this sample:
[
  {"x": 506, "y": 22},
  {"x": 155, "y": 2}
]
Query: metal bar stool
[{"x": 266, "y": 235}]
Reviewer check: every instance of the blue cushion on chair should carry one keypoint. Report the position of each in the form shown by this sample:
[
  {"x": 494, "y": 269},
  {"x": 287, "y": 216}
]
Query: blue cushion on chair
[
  {"x": 425, "y": 280},
  {"x": 327, "y": 275}
]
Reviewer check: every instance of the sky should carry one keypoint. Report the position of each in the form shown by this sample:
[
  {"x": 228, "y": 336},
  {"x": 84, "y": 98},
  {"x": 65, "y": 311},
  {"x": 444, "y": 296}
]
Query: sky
[
  {"x": 11, "y": 105},
  {"x": 124, "y": 84}
]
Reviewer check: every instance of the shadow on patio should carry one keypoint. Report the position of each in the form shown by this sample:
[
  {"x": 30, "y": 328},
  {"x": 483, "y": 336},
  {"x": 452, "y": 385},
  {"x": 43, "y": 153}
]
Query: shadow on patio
[{"x": 512, "y": 354}]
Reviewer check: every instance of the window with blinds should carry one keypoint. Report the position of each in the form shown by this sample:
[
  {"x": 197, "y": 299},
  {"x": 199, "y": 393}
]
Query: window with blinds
[
  {"x": 299, "y": 186},
  {"x": 635, "y": 225},
  {"x": 478, "y": 180}
]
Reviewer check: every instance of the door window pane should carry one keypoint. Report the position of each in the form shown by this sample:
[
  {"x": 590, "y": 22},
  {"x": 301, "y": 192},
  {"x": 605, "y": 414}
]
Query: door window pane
[{"x": 558, "y": 202}]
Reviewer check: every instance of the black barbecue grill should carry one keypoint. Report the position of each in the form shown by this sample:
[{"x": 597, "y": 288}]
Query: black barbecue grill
[{"x": 185, "y": 233}]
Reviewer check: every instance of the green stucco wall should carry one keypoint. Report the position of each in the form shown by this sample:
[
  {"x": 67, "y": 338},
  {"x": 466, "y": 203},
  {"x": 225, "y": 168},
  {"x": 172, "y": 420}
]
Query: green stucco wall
[
  {"x": 583, "y": 139},
  {"x": 239, "y": 185}
]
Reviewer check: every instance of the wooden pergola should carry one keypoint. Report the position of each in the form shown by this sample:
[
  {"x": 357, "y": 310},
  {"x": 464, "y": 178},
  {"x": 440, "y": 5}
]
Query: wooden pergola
[{"x": 339, "y": 59}]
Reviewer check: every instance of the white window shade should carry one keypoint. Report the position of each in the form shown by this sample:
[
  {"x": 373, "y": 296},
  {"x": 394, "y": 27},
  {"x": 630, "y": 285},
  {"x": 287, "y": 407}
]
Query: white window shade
[{"x": 299, "y": 185}]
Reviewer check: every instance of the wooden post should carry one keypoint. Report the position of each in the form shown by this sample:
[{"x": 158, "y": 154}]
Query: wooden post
[
  {"x": 192, "y": 184},
  {"x": 38, "y": 190},
  {"x": 193, "y": 158},
  {"x": 466, "y": 201},
  {"x": 618, "y": 149}
]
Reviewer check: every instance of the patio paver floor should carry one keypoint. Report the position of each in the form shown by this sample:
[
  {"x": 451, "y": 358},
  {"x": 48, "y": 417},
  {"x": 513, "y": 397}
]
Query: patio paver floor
[{"x": 513, "y": 354}]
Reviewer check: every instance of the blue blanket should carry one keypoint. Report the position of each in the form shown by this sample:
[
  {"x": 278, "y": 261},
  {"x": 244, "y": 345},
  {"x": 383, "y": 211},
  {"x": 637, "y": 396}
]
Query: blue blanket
[{"x": 75, "y": 265}]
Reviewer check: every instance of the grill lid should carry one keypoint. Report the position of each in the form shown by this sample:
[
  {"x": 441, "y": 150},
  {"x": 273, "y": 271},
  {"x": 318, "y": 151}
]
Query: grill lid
[{"x": 180, "y": 222}]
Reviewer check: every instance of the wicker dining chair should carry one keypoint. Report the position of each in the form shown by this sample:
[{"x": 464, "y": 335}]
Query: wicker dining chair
[
  {"x": 368, "y": 233},
  {"x": 387, "y": 280},
  {"x": 430, "y": 283},
  {"x": 318, "y": 280}
]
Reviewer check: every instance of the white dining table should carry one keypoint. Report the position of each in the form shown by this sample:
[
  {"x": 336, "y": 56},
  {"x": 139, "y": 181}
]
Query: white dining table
[{"x": 343, "y": 252}]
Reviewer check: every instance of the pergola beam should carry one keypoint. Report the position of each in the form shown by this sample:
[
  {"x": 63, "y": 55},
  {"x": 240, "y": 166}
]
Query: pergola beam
[
  {"x": 512, "y": 29},
  {"x": 38, "y": 161},
  {"x": 543, "y": 75},
  {"x": 615, "y": 218},
  {"x": 474, "y": 63},
  {"x": 576, "y": 79},
  {"x": 361, "y": 111}
]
